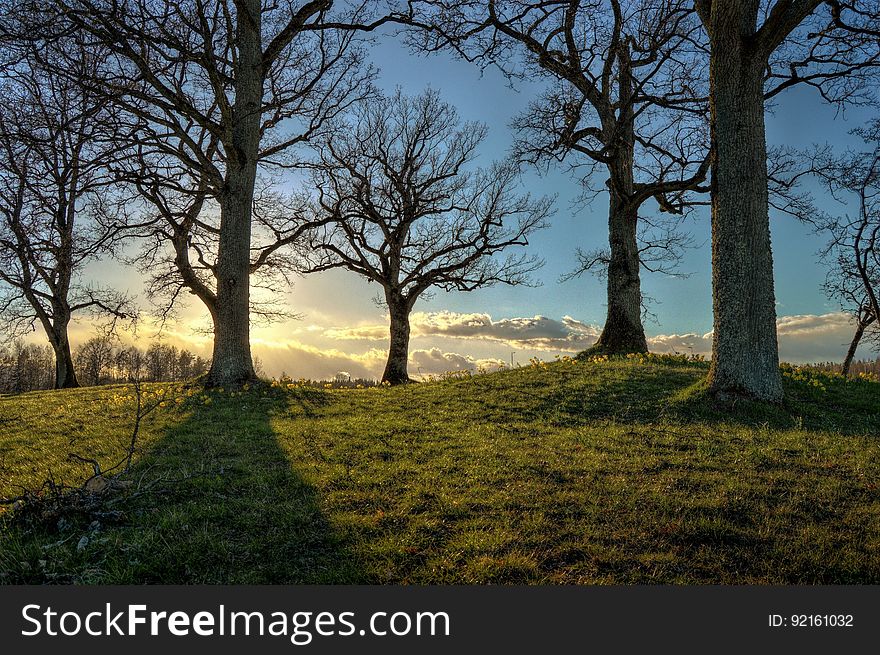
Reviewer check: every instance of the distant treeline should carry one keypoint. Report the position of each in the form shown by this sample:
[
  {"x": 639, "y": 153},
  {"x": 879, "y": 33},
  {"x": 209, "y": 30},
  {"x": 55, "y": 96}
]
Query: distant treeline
[
  {"x": 29, "y": 367},
  {"x": 858, "y": 366}
]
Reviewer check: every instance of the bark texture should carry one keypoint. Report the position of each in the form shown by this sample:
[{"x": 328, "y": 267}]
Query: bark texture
[
  {"x": 65, "y": 375},
  {"x": 623, "y": 331},
  {"x": 231, "y": 360},
  {"x": 745, "y": 355},
  {"x": 398, "y": 350}
]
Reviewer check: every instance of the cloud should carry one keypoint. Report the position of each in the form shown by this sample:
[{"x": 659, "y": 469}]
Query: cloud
[
  {"x": 435, "y": 361},
  {"x": 803, "y": 339},
  {"x": 361, "y": 333},
  {"x": 812, "y": 338},
  {"x": 319, "y": 355},
  {"x": 811, "y": 324},
  {"x": 535, "y": 333},
  {"x": 302, "y": 360}
]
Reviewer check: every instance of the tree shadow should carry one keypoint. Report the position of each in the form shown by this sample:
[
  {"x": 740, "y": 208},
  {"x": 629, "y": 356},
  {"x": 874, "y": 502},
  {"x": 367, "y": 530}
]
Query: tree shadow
[
  {"x": 236, "y": 511},
  {"x": 307, "y": 400},
  {"x": 639, "y": 396},
  {"x": 681, "y": 396},
  {"x": 214, "y": 500},
  {"x": 843, "y": 408}
]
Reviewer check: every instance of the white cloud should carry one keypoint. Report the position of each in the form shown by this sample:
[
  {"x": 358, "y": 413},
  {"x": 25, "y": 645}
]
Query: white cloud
[
  {"x": 435, "y": 361},
  {"x": 358, "y": 333},
  {"x": 802, "y": 339},
  {"x": 812, "y": 338},
  {"x": 535, "y": 333},
  {"x": 302, "y": 360}
]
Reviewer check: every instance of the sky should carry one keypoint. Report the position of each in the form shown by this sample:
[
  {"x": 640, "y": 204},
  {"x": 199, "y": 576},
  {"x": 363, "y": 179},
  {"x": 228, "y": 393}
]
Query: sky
[{"x": 341, "y": 329}]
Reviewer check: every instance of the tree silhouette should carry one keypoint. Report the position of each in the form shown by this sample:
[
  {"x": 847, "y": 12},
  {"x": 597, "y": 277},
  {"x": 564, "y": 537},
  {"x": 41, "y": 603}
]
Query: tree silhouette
[
  {"x": 853, "y": 250},
  {"x": 410, "y": 214},
  {"x": 56, "y": 144},
  {"x": 219, "y": 90},
  {"x": 626, "y": 96}
]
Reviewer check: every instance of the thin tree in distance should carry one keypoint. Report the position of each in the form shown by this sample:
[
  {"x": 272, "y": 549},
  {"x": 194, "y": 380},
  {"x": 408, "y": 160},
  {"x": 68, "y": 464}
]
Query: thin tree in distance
[
  {"x": 853, "y": 250},
  {"x": 411, "y": 214}
]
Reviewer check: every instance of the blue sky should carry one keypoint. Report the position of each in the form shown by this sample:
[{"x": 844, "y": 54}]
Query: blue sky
[{"x": 799, "y": 119}]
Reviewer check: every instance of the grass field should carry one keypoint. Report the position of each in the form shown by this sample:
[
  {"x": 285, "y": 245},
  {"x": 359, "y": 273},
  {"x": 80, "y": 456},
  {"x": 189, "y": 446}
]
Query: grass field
[{"x": 600, "y": 472}]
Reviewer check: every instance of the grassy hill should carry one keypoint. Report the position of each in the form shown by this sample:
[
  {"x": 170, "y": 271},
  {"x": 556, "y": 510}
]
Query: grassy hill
[{"x": 614, "y": 471}]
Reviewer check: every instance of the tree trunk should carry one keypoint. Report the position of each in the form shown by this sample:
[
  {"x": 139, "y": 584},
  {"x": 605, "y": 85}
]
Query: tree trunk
[
  {"x": 854, "y": 345},
  {"x": 398, "y": 350},
  {"x": 55, "y": 327},
  {"x": 65, "y": 375},
  {"x": 232, "y": 362},
  {"x": 623, "y": 332},
  {"x": 745, "y": 355}
]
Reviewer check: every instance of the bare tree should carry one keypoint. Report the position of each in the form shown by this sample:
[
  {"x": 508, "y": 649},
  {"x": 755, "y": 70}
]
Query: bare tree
[
  {"x": 625, "y": 96},
  {"x": 853, "y": 250},
  {"x": 758, "y": 49},
  {"x": 25, "y": 367},
  {"x": 222, "y": 88},
  {"x": 94, "y": 358},
  {"x": 179, "y": 228},
  {"x": 410, "y": 214},
  {"x": 55, "y": 148}
]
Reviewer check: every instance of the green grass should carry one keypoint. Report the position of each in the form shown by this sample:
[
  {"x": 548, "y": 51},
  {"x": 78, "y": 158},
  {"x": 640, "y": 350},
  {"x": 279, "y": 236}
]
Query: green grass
[{"x": 573, "y": 472}]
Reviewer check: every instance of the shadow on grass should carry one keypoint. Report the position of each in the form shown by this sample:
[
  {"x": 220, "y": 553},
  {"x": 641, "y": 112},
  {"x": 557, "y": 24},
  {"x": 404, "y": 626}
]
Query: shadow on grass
[
  {"x": 637, "y": 396},
  {"x": 218, "y": 503},
  {"x": 680, "y": 396},
  {"x": 306, "y": 401},
  {"x": 846, "y": 408}
]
